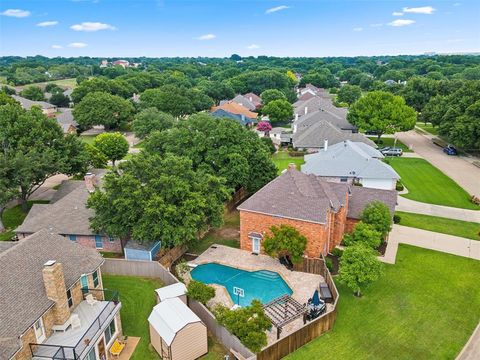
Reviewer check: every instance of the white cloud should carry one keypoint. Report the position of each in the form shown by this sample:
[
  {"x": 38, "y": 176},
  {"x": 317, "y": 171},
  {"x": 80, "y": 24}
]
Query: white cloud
[
  {"x": 358, "y": 29},
  {"x": 92, "y": 26},
  {"x": 16, "y": 13},
  {"x": 77, "y": 45},
  {"x": 47, "y": 23},
  {"x": 277, "y": 8},
  {"x": 397, "y": 13},
  {"x": 253, "y": 46},
  {"x": 401, "y": 22},
  {"x": 419, "y": 10},
  {"x": 57, "y": 47},
  {"x": 206, "y": 37}
]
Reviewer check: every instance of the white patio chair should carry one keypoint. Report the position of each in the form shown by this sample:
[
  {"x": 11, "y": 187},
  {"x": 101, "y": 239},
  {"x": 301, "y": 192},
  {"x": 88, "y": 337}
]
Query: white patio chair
[
  {"x": 75, "y": 321},
  {"x": 91, "y": 300}
]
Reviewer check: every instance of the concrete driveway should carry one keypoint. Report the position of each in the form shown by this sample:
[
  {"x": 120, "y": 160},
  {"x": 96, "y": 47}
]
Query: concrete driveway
[
  {"x": 417, "y": 207},
  {"x": 462, "y": 171}
]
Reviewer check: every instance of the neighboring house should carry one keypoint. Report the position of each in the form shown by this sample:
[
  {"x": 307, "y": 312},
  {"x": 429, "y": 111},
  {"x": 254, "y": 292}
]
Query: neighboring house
[
  {"x": 69, "y": 216},
  {"x": 123, "y": 63},
  {"x": 235, "y": 108},
  {"x": 176, "y": 332},
  {"x": 254, "y": 98},
  {"x": 47, "y": 108},
  {"x": 318, "y": 103},
  {"x": 240, "y": 118},
  {"x": 320, "y": 210},
  {"x": 44, "y": 314},
  {"x": 323, "y": 133},
  {"x": 242, "y": 100},
  {"x": 302, "y": 122},
  {"x": 352, "y": 162},
  {"x": 66, "y": 121},
  {"x": 278, "y": 135},
  {"x": 305, "y": 96},
  {"x": 309, "y": 88}
]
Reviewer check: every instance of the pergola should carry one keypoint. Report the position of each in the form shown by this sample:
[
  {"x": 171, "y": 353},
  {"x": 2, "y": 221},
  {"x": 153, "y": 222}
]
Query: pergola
[{"x": 284, "y": 310}]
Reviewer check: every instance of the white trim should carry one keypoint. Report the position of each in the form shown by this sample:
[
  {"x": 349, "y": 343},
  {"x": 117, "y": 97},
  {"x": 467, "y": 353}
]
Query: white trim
[
  {"x": 285, "y": 217},
  {"x": 43, "y": 336}
]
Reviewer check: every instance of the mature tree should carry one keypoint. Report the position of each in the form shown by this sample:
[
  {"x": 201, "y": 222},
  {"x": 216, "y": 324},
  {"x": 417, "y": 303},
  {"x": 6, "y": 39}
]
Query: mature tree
[
  {"x": 150, "y": 120},
  {"x": 269, "y": 143},
  {"x": 53, "y": 88},
  {"x": 113, "y": 145},
  {"x": 100, "y": 108},
  {"x": 259, "y": 81},
  {"x": 272, "y": 94},
  {"x": 322, "y": 78},
  {"x": 5, "y": 99},
  {"x": 96, "y": 158},
  {"x": 466, "y": 131},
  {"x": 382, "y": 112},
  {"x": 248, "y": 323},
  {"x": 60, "y": 100},
  {"x": 278, "y": 111},
  {"x": 8, "y": 191},
  {"x": 200, "y": 291},
  {"x": 359, "y": 266},
  {"x": 33, "y": 92},
  {"x": 364, "y": 234},
  {"x": 35, "y": 148},
  {"x": 219, "y": 146},
  {"x": 377, "y": 214},
  {"x": 285, "y": 239},
  {"x": 349, "y": 94},
  {"x": 264, "y": 126},
  {"x": 8, "y": 90},
  {"x": 155, "y": 197},
  {"x": 418, "y": 92},
  {"x": 89, "y": 86},
  {"x": 217, "y": 90},
  {"x": 348, "y": 74}
]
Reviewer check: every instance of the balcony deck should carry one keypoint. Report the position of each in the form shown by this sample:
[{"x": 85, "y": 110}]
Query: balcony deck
[{"x": 93, "y": 318}]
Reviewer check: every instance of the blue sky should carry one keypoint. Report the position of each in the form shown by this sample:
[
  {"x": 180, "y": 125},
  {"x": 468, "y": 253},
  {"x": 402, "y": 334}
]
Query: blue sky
[{"x": 117, "y": 28}]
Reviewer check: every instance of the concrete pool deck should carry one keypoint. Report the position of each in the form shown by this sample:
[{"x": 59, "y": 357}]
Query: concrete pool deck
[{"x": 302, "y": 284}]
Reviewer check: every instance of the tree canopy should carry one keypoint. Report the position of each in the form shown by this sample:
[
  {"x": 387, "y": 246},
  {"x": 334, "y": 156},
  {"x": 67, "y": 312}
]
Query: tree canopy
[
  {"x": 150, "y": 120},
  {"x": 155, "y": 197},
  {"x": 285, "y": 239},
  {"x": 33, "y": 92},
  {"x": 278, "y": 111},
  {"x": 113, "y": 145},
  {"x": 378, "y": 216},
  {"x": 272, "y": 94},
  {"x": 364, "y": 234},
  {"x": 349, "y": 94}
]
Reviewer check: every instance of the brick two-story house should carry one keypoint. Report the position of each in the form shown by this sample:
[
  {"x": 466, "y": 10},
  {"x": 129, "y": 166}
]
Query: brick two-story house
[
  {"x": 44, "y": 314},
  {"x": 68, "y": 215},
  {"x": 322, "y": 211}
]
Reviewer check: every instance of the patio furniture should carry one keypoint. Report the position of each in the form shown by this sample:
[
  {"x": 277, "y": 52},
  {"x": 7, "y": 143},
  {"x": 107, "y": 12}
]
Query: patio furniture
[
  {"x": 325, "y": 293},
  {"x": 63, "y": 327},
  {"x": 315, "y": 307},
  {"x": 75, "y": 321},
  {"x": 285, "y": 261},
  {"x": 91, "y": 300},
  {"x": 117, "y": 348}
]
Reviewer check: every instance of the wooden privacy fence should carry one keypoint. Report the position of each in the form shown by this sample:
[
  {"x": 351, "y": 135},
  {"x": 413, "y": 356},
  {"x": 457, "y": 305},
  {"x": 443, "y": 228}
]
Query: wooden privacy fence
[
  {"x": 311, "y": 330},
  {"x": 167, "y": 257},
  {"x": 237, "y": 197}
]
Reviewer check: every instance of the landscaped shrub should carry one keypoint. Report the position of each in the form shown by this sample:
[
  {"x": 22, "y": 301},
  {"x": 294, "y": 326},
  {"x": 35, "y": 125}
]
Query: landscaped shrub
[
  {"x": 364, "y": 234},
  {"x": 199, "y": 291},
  {"x": 248, "y": 324},
  {"x": 285, "y": 239},
  {"x": 399, "y": 186},
  {"x": 377, "y": 214},
  {"x": 329, "y": 264},
  {"x": 337, "y": 252},
  {"x": 269, "y": 143},
  {"x": 396, "y": 219}
]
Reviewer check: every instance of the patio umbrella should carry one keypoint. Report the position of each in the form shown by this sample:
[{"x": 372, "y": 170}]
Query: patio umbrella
[{"x": 316, "y": 298}]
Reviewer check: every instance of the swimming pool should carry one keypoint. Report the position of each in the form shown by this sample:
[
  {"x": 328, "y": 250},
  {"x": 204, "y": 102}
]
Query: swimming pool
[{"x": 263, "y": 285}]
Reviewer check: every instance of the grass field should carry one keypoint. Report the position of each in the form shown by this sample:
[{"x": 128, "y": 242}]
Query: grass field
[
  {"x": 425, "y": 183},
  {"x": 424, "y": 307},
  {"x": 469, "y": 230},
  {"x": 389, "y": 142},
  {"x": 282, "y": 159},
  {"x": 67, "y": 83},
  {"x": 428, "y": 128},
  {"x": 13, "y": 217},
  {"x": 227, "y": 235}
]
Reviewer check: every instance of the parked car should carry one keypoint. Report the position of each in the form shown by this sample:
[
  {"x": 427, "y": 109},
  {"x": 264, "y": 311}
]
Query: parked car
[
  {"x": 391, "y": 151},
  {"x": 450, "y": 150},
  {"x": 371, "y": 132}
]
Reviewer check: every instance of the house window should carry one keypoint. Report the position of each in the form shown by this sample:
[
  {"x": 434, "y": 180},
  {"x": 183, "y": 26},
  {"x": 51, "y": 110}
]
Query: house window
[
  {"x": 343, "y": 179},
  {"x": 84, "y": 282},
  {"x": 91, "y": 355},
  {"x": 95, "y": 279},
  {"x": 110, "y": 331},
  {"x": 39, "y": 330},
  {"x": 72, "y": 237},
  {"x": 111, "y": 239},
  {"x": 69, "y": 298},
  {"x": 98, "y": 242}
]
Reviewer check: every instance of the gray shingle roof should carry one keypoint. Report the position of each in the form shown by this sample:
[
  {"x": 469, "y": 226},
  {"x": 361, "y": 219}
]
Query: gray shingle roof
[
  {"x": 315, "y": 135},
  {"x": 312, "y": 117},
  {"x": 66, "y": 117},
  {"x": 5, "y": 245},
  {"x": 22, "y": 297},
  {"x": 242, "y": 100},
  {"x": 254, "y": 98},
  {"x": 66, "y": 187},
  {"x": 347, "y": 159},
  {"x": 318, "y": 103},
  {"x": 295, "y": 195},
  {"x": 27, "y": 104},
  {"x": 362, "y": 196}
]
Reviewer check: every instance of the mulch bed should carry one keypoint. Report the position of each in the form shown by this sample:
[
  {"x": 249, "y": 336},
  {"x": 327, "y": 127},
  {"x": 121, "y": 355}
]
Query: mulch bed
[
  {"x": 335, "y": 262},
  {"x": 382, "y": 248}
]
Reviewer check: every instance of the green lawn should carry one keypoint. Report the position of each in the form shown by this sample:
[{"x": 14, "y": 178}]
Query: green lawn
[
  {"x": 389, "y": 142},
  {"x": 138, "y": 299},
  {"x": 469, "y": 230},
  {"x": 88, "y": 139},
  {"x": 227, "y": 235},
  {"x": 425, "y": 183},
  {"x": 282, "y": 159},
  {"x": 14, "y": 217},
  {"x": 424, "y": 307},
  {"x": 428, "y": 128}
]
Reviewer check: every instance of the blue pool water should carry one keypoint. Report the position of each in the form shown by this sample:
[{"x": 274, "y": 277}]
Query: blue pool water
[{"x": 263, "y": 285}]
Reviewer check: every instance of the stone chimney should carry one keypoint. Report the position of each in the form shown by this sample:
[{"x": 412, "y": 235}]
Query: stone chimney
[
  {"x": 296, "y": 117},
  {"x": 90, "y": 182},
  {"x": 56, "y": 291},
  {"x": 306, "y": 110},
  {"x": 250, "y": 98},
  {"x": 292, "y": 166},
  {"x": 325, "y": 145}
]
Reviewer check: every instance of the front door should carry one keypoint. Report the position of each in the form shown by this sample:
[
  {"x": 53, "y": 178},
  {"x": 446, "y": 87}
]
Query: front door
[
  {"x": 256, "y": 245},
  {"x": 39, "y": 330}
]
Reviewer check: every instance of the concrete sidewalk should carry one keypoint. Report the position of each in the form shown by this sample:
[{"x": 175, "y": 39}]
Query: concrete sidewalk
[
  {"x": 454, "y": 245},
  {"x": 417, "y": 207},
  {"x": 471, "y": 350}
]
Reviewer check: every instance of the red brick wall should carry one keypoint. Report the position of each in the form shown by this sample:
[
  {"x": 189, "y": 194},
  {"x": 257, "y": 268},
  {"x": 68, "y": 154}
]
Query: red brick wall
[
  {"x": 316, "y": 234},
  {"x": 350, "y": 224}
]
